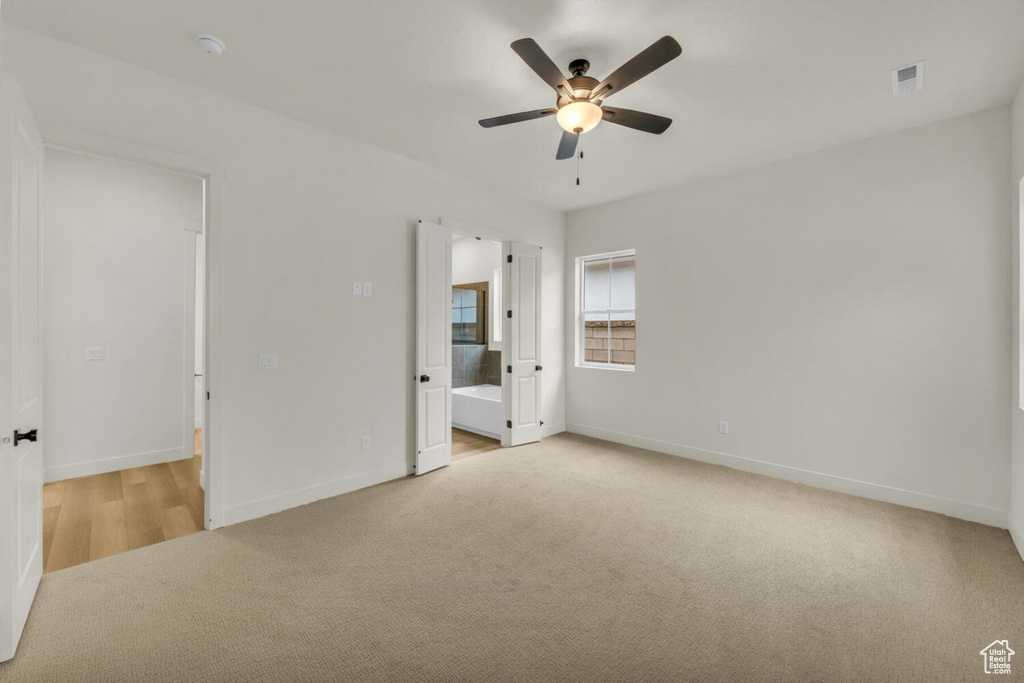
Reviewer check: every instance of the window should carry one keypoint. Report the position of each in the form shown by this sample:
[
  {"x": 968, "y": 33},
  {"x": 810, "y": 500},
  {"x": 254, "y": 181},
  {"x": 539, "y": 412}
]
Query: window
[
  {"x": 469, "y": 313},
  {"x": 606, "y": 295}
]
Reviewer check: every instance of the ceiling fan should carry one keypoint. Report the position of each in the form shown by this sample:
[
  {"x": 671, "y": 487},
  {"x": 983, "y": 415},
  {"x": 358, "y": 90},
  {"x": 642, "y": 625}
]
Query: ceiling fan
[{"x": 580, "y": 103}]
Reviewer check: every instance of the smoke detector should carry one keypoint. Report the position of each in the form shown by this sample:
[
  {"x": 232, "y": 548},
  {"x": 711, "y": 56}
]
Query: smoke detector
[
  {"x": 908, "y": 79},
  {"x": 211, "y": 44}
]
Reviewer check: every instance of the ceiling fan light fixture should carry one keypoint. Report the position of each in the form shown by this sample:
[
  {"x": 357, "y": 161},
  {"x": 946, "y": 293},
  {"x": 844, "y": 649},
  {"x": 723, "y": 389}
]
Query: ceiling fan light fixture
[
  {"x": 580, "y": 98},
  {"x": 579, "y": 116}
]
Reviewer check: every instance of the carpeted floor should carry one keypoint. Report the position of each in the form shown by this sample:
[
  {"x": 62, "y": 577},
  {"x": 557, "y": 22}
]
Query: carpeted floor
[{"x": 569, "y": 560}]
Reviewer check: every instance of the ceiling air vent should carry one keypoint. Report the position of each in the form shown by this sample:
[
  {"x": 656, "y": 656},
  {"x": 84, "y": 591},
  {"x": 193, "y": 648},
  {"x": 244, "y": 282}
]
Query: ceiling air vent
[{"x": 908, "y": 79}]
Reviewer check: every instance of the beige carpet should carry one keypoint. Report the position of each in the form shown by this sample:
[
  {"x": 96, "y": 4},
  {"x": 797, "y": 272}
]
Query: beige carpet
[{"x": 571, "y": 560}]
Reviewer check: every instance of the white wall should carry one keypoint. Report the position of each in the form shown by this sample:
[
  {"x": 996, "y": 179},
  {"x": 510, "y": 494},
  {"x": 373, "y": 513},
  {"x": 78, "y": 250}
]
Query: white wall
[
  {"x": 474, "y": 260},
  {"x": 844, "y": 311},
  {"x": 114, "y": 264},
  {"x": 1017, "y": 402},
  {"x": 306, "y": 213}
]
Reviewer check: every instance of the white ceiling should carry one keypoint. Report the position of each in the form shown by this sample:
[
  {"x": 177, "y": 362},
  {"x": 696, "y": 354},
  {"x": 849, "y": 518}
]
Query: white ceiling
[{"x": 758, "y": 80}]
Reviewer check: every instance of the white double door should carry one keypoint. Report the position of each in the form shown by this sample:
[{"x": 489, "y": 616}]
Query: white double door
[
  {"x": 521, "y": 349},
  {"x": 21, "y": 454}
]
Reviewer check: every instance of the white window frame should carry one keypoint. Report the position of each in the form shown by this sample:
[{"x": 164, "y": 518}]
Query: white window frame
[{"x": 581, "y": 262}]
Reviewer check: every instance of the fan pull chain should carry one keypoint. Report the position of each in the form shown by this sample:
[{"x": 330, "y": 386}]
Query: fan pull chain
[{"x": 578, "y": 158}]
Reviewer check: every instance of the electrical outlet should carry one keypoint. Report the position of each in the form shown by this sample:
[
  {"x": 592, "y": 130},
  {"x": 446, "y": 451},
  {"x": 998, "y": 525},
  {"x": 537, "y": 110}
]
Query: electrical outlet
[
  {"x": 366, "y": 442},
  {"x": 367, "y": 289},
  {"x": 357, "y": 288},
  {"x": 94, "y": 353},
  {"x": 268, "y": 361},
  {"x": 723, "y": 427}
]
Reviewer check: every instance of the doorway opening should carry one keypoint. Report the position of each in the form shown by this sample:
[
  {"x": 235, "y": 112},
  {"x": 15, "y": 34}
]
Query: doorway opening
[
  {"x": 445, "y": 312},
  {"x": 477, "y": 411},
  {"x": 123, "y": 311}
]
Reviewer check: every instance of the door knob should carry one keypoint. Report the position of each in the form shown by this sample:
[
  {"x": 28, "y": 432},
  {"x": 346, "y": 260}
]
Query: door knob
[
  {"x": 27, "y": 436},
  {"x": 424, "y": 378}
]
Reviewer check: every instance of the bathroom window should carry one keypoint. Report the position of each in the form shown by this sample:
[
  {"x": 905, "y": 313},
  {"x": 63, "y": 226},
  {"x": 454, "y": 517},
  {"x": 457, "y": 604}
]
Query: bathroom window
[
  {"x": 469, "y": 313},
  {"x": 606, "y": 296}
]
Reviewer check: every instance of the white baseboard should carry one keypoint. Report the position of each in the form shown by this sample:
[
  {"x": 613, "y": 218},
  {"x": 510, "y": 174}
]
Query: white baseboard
[
  {"x": 328, "y": 489},
  {"x": 199, "y": 423},
  {"x": 124, "y": 462},
  {"x": 552, "y": 429},
  {"x": 923, "y": 501},
  {"x": 1017, "y": 534}
]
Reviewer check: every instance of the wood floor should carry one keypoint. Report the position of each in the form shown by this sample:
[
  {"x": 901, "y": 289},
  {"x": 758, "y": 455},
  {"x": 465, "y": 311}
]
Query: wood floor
[
  {"x": 465, "y": 444},
  {"x": 87, "y": 518}
]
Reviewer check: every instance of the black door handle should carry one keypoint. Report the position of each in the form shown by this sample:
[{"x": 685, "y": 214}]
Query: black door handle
[
  {"x": 424, "y": 378},
  {"x": 27, "y": 436},
  {"x": 538, "y": 368}
]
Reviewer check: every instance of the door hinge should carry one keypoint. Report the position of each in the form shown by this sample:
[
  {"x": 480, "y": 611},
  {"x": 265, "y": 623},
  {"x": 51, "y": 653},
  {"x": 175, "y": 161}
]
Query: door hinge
[
  {"x": 207, "y": 395},
  {"x": 510, "y": 258},
  {"x": 509, "y": 424},
  {"x": 510, "y": 314},
  {"x": 508, "y": 369}
]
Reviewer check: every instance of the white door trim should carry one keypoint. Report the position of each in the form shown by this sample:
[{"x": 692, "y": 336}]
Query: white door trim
[
  {"x": 467, "y": 229},
  {"x": 188, "y": 371},
  {"x": 215, "y": 178}
]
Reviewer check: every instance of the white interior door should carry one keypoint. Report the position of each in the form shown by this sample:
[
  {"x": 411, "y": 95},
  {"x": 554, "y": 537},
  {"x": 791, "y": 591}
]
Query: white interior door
[
  {"x": 521, "y": 345},
  {"x": 433, "y": 347},
  {"x": 21, "y": 460}
]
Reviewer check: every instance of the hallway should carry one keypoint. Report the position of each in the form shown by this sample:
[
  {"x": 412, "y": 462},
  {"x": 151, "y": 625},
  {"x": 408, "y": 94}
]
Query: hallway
[{"x": 88, "y": 518}]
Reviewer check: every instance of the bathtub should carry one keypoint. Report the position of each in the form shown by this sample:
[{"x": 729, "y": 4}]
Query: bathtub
[{"x": 478, "y": 409}]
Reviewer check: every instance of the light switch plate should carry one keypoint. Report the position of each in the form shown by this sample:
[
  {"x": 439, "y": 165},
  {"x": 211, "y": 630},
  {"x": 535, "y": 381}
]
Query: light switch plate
[
  {"x": 357, "y": 288},
  {"x": 723, "y": 427},
  {"x": 367, "y": 289},
  {"x": 268, "y": 361},
  {"x": 366, "y": 442},
  {"x": 94, "y": 353}
]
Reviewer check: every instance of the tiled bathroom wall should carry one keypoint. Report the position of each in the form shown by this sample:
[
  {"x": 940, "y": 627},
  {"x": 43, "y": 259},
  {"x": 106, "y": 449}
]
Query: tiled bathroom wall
[{"x": 473, "y": 364}]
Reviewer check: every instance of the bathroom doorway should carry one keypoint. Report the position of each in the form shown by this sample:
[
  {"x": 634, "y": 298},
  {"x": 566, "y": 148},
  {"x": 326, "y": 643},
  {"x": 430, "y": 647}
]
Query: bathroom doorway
[
  {"x": 494, "y": 311},
  {"x": 476, "y": 345}
]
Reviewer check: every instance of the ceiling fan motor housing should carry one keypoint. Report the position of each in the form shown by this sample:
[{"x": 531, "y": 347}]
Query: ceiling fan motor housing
[{"x": 582, "y": 85}]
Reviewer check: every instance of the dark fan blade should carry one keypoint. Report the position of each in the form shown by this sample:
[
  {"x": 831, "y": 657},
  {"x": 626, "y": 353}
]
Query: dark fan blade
[
  {"x": 648, "y": 123},
  {"x": 656, "y": 56},
  {"x": 537, "y": 60},
  {"x": 567, "y": 145},
  {"x": 516, "y": 118}
]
